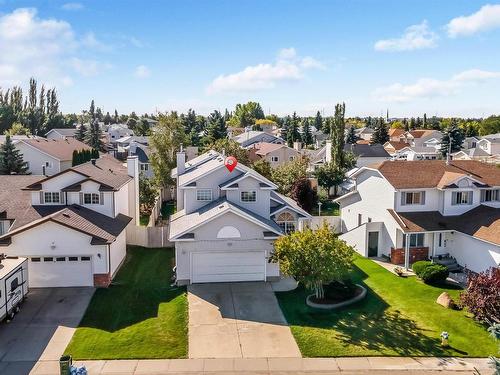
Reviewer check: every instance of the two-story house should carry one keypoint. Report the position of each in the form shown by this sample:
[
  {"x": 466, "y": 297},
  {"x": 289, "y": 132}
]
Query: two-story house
[
  {"x": 226, "y": 222},
  {"x": 48, "y": 157},
  {"x": 414, "y": 210},
  {"x": 72, "y": 225}
]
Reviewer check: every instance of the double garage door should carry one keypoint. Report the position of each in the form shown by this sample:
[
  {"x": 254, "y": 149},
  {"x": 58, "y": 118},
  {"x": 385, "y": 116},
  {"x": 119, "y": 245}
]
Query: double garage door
[
  {"x": 61, "y": 271},
  {"x": 223, "y": 266}
]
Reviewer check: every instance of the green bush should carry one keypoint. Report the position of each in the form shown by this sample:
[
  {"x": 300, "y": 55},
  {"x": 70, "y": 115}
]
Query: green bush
[
  {"x": 419, "y": 266},
  {"x": 434, "y": 273}
]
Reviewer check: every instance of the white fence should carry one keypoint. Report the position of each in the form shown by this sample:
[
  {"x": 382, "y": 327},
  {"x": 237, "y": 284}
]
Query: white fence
[
  {"x": 334, "y": 221},
  {"x": 148, "y": 236}
]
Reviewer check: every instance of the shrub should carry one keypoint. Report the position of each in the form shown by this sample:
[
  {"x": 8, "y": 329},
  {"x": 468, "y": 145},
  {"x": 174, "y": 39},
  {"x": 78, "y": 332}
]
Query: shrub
[
  {"x": 434, "y": 273},
  {"x": 419, "y": 266},
  {"x": 482, "y": 296}
]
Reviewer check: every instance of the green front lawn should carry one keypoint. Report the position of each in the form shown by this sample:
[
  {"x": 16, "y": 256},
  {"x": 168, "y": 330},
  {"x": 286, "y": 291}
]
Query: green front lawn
[
  {"x": 399, "y": 317},
  {"x": 328, "y": 208},
  {"x": 140, "y": 316}
]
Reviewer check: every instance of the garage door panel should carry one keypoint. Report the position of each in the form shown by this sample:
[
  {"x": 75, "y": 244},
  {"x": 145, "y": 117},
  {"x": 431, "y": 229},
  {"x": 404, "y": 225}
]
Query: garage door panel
[
  {"x": 45, "y": 273},
  {"x": 228, "y": 266}
]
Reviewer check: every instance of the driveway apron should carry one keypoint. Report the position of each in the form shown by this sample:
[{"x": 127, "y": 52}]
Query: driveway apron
[{"x": 237, "y": 320}]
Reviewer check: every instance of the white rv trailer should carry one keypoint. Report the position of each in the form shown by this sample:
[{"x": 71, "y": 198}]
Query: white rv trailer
[{"x": 13, "y": 284}]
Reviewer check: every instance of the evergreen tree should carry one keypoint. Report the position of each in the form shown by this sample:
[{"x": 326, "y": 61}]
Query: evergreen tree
[
  {"x": 81, "y": 133},
  {"x": 216, "y": 128},
  {"x": 307, "y": 138},
  {"x": 454, "y": 135},
  {"x": 381, "y": 133},
  {"x": 318, "y": 121},
  {"x": 337, "y": 134},
  {"x": 11, "y": 160},
  {"x": 352, "y": 138},
  {"x": 93, "y": 135}
]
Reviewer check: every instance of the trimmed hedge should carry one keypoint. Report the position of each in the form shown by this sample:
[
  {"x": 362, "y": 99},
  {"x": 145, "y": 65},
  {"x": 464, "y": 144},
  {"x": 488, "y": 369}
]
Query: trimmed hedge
[
  {"x": 419, "y": 266},
  {"x": 430, "y": 272}
]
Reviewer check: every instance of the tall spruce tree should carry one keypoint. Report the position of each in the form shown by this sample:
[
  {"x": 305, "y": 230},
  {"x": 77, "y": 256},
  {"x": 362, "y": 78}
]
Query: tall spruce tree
[
  {"x": 381, "y": 133},
  {"x": 307, "y": 138},
  {"x": 318, "y": 121},
  {"x": 93, "y": 135},
  {"x": 216, "y": 128},
  {"x": 11, "y": 160},
  {"x": 351, "y": 138},
  {"x": 453, "y": 134}
]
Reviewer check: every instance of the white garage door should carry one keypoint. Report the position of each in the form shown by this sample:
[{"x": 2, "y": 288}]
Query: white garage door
[
  {"x": 63, "y": 271},
  {"x": 209, "y": 267}
]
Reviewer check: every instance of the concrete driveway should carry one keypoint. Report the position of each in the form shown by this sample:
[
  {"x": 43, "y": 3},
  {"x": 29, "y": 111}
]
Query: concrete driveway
[
  {"x": 237, "y": 320},
  {"x": 42, "y": 329}
]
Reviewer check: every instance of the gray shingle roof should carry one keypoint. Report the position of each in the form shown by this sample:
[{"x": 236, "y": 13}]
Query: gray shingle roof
[{"x": 181, "y": 223}]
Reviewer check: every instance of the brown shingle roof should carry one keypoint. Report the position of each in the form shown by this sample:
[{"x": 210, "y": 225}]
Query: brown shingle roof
[
  {"x": 482, "y": 222},
  {"x": 430, "y": 173},
  {"x": 61, "y": 149}
]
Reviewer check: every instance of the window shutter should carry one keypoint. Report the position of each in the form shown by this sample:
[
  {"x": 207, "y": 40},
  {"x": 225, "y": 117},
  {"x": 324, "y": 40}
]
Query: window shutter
[
  {"x": 101, "y": 198},
  {"x": 81, "y": 198},
  {"x": 403, "y": 198},
  {"x": 41, "y": 198},
  {"x": 422, "y": 198},
  {"x": 470, "y": 197}
]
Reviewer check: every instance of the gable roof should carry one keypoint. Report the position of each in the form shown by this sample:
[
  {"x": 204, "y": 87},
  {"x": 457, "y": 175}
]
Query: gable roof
[
  {"x": 61, "y": 149},
  {"x": 180, "y": 223},
  {"x": 428, "y": 173},
  {"x": 103, "y": 229},
  {"x": 482, "y": 222},
  {"x": 107, "y": 171},
  {"x": 67, "y": 132},
  {"x": 367, "y": 151}
]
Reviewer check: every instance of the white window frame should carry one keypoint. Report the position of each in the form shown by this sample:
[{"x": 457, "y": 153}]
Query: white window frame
[
  {"x": 51, "y": 195},
  {"x": 494, "y": 195},
  {"x": 94, "y": 198},
  {"x": 204, "y": 195},
  {"x": 464, "y": 198},
  {"x": 247, "y": 199}
]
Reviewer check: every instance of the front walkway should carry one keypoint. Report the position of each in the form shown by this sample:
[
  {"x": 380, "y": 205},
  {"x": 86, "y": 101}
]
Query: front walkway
[
  {"x": 275, "y": 366},
  {"x": 237, "y": 320}
]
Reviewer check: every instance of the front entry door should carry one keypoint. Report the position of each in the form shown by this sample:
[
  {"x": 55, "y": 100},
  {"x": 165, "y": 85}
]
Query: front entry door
[{"x": 372, "y": 244}]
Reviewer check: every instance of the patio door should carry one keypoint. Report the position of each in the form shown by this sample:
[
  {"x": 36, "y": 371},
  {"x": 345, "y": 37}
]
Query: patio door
[{"x": 372, "y": 244}]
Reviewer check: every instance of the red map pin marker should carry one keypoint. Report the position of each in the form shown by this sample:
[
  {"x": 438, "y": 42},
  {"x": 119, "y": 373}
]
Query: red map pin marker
[{"x": 230, "y": 163}]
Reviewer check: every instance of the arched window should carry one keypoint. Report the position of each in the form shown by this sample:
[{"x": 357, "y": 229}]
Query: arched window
[
  {"x": 228, "y": 232},
  {"x": 286, "y": 221}
]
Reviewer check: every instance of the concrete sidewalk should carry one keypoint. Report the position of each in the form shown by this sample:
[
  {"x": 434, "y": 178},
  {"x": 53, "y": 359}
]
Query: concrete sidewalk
[{"x": 272, "y": 366}]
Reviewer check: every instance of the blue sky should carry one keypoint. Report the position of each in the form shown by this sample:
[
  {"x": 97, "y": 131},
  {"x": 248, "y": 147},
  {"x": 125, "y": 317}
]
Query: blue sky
[{"x": 439, "y": 57}]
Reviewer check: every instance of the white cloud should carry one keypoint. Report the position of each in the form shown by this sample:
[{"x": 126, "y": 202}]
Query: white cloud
[
  {"x": 287, "y": 67},
  {"x": 142, "y": 71},
  {"x": 44, "y": 48},
  {"x": 72, "y": 6},
  {"x": 427, "y": 88},
  {"x": 415, "y": 37},
  {"x": 486, "y": 18}
]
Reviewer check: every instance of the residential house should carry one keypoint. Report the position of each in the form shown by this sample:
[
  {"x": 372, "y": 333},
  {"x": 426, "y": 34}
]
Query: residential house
[
  {"x": 275, "y": 153},
  {"x": 365, "y": 154},
  {"x": 48, "y": 157},
  {"x": 226, "y": 222},
  {"x": 250, "y": 137},
  {"x": 64, "y": 133},
  {"x": 415, "y": 210},
  {"x": 72, "y": 225}
]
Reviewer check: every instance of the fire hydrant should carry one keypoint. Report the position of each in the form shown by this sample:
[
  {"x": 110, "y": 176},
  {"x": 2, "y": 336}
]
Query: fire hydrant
[{"x": 444, "y": 339}]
